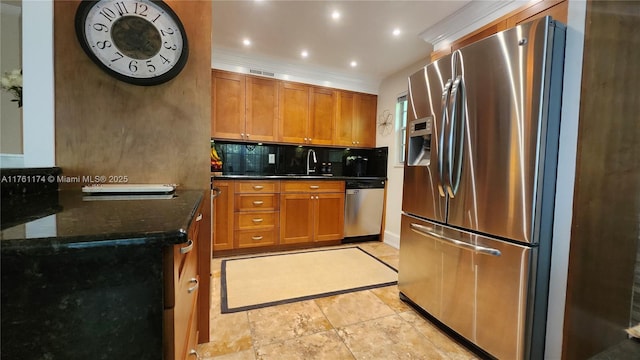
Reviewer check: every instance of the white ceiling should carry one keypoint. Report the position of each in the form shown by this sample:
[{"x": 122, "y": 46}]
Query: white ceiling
[{"x": 280, "y": 30}]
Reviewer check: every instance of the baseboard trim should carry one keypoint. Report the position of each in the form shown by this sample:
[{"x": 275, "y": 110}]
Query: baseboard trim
[{"x": 392, "y": 239}]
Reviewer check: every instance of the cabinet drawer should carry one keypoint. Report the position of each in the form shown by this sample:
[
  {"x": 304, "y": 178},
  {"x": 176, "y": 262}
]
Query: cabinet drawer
[
  {"x": 250, "y": 202},
  {"x": 253, "y": 238},
  {"x": 185, "y": 314},
  {"x": 183, "y": 264},
  {"x": 312, "y": 186},
  {"x": 192, "y": 337},
  {"x": 257, "y": 186},
  {"x": 256, "y": 220},
  {"x": 180, "y": 322}
]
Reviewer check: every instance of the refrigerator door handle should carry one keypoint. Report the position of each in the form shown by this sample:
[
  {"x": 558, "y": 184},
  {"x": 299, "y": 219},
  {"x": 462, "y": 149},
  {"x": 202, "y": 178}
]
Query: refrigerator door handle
[
  {"x": 455, "y": 164},
  {"x": 427, "y": 231},
  {"x": 446, "y": 92}
]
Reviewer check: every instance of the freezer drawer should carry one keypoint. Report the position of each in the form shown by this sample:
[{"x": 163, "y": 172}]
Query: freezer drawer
[{"x": 475, "y": 285}]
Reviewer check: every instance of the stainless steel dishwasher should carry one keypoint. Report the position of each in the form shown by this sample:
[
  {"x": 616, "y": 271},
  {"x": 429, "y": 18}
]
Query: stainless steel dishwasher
[{"x": 363, "y": 209}]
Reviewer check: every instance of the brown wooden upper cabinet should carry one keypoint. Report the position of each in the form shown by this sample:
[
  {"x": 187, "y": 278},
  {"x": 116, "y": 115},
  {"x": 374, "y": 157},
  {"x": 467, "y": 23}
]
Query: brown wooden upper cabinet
[
  {"x": 557, "y": 9},
  {"x": 322, "y": 115},
  {"x": 244, "y": 107},
  {"x": 534, "y": 9},
  {"x": 251, "y": 108},
  {"x": 307, "y": 114},
  {"x": 356, "y": 120}
]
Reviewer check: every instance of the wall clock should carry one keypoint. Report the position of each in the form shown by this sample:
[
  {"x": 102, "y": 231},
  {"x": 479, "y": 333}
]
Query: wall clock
[{"x": 141, "y": 42}]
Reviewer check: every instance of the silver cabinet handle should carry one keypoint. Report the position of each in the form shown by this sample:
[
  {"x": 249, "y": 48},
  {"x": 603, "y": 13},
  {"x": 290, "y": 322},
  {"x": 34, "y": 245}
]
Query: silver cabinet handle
[
  {"x": 314, "y": 187},
  {"x": 305, "y": 139},
  {"x": 443, "y": 124},
  {"x": 423, "y": 230},
  {"x": 457, "y": 91},
  {"x": 258, "y": 202},
  {"x": 186, "y": 249},
  {"x": 216, "y": 192},
  {"x": 194, "y": 352},
  {"x": 242, "y": 135},
  {"x": 194, "y": 287},
  {"x": 258, "y": 187},
  {"x": 257, "y": 220},
  {"x": 309, "y": 139},
  {"x": 199, "y": 217},
  {"x": 256, "y": 238},
  {"x": 247, "y": 136}
]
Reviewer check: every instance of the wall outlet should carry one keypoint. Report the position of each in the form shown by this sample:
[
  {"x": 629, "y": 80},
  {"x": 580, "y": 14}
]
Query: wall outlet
[{"x": 272, "y": 158}]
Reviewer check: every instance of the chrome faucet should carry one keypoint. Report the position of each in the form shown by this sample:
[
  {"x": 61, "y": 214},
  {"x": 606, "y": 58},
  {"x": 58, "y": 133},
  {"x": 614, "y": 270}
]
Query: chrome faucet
[{"x": 315, "y": 161}]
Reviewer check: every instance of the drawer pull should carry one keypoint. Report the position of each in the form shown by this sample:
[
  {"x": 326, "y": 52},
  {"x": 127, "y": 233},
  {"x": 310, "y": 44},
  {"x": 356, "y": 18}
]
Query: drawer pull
[
  {"x": 199, "y": 217},
  {"x": 193, "y": 352},
  {"x": 256, "y": 238},
  {"x": 186, "y": 249},
  {"x": 257, "y": 220},
  {"x": 194, "y": 287},
  {"x": 258, "y": 202},
  {"x": 258, "y": 187},
  {"x": 314, "y": 187}
]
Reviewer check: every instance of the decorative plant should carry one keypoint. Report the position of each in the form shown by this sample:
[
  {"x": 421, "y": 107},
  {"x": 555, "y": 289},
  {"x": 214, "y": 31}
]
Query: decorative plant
[{"x": 12, "y": 82}]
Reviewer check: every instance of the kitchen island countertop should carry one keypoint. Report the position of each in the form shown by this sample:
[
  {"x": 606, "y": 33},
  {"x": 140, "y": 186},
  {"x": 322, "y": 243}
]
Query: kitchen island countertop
[
  {"x": 93, "y": 221},
  {"x": 87, "y": 278}
]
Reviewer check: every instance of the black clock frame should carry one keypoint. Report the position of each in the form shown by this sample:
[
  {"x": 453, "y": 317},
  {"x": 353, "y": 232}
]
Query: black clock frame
[{"x": 80, "y": 18}]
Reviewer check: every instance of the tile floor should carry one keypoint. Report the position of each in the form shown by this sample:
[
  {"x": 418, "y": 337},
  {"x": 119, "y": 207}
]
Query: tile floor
[{"x": 372, "y": 324}]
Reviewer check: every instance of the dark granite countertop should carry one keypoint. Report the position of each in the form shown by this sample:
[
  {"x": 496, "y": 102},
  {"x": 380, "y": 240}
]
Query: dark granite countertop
[
  {"x": 294, "y": 177},
  {"x": 85, "y": 222}
]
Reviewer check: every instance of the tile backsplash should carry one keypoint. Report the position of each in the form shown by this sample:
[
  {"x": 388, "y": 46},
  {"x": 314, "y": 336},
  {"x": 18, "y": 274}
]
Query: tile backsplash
[{"x": 270, "y": 159}]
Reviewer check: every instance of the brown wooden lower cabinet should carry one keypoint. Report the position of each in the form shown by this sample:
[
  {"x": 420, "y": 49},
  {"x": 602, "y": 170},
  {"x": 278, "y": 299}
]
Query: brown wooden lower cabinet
[
  {"x": 259, "y": 215},
  {"x": 317, "y": 214},
  {"x": 182, "y": 283},
  {"x": 223, "y": 206},
  {"x": 328, "y": 217},
  {"x": 296, "y": 218}
]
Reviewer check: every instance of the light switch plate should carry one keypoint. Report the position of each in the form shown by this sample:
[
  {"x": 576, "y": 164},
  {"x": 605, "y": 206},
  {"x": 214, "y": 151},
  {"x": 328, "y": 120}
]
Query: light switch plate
[{"x": 272, "y": 158}]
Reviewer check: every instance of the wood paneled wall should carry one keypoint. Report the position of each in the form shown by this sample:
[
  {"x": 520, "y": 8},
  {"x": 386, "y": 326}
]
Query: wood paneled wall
[
  {"x": 606, "y": 209},
  {"x": 156, "y": 134}
]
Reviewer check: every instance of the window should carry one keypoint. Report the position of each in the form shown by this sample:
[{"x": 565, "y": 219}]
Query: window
[{"x": 401, "y": 127}]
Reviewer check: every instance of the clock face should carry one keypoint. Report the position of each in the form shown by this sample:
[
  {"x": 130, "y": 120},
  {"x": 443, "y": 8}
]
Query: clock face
[{"x": 141, "y": 42}]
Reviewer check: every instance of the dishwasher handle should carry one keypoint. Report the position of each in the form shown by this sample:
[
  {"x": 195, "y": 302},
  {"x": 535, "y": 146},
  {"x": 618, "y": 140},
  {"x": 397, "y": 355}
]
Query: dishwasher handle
[{"x": 352, "y": 191}]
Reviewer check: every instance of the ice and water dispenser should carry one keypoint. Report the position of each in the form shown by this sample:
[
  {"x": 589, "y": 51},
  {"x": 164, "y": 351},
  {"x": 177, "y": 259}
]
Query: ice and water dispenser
[{"x": 419, "y": 146}]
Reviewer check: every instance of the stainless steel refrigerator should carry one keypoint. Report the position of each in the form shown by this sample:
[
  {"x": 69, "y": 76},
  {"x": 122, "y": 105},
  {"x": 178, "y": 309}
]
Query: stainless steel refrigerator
[{"x": 479, "y": 188}]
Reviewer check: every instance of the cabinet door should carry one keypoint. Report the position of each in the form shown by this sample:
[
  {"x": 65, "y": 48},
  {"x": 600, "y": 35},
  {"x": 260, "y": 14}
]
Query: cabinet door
[
  {"x": 262, "y": 109},
  {"x": 227, "y": 105},
  {"x": 322, "y": 116},
  {"x": 344, "y": 119},
  {"x": 223, "y": 216},
  {"x": 364, "y": 129},
  {"x": 329, "y": 217},
  {"x": 557, "y": 9},
  {"x": 294, "y": 112},
  {"x": 296, "y": 218}
]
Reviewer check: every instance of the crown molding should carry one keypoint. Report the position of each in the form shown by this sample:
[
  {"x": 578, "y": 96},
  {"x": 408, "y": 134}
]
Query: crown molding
[
  {"x": 230, "y": 60},
  {"x": 468, "y": 19}
]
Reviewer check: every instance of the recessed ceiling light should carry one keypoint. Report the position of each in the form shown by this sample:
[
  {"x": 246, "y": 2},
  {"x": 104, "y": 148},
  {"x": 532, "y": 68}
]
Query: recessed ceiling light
[
  {"x": 354, "y": 63},
  {"x": 304, "y": 53},
  {"x": 246, "y": 42},
  {"x": 396, "y": 32},
  {"x": 335, "y": 15}
]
